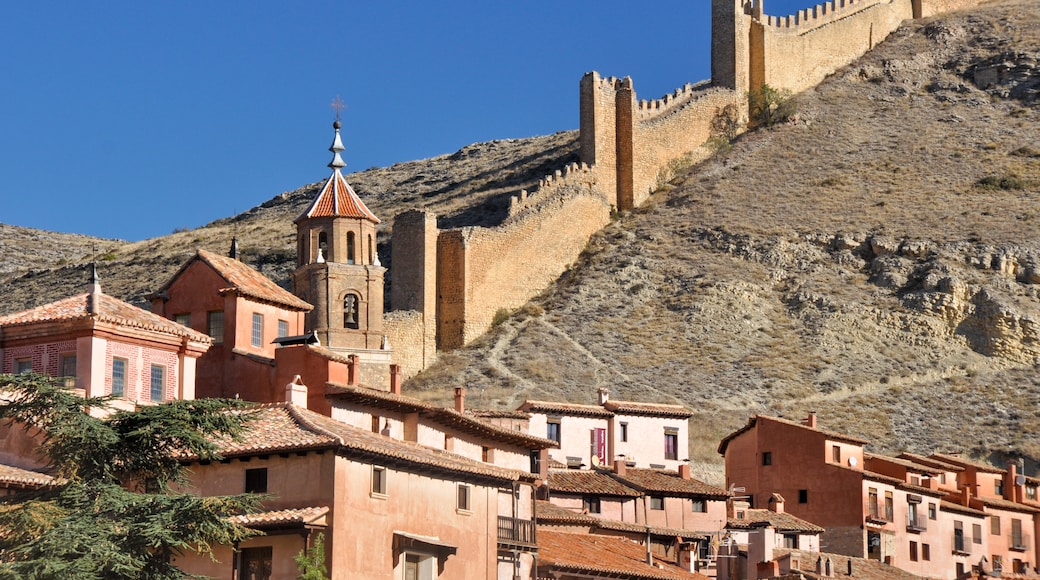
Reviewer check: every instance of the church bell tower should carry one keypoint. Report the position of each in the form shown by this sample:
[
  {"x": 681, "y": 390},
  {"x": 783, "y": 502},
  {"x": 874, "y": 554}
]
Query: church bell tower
[{"x": 337, "y": 268}]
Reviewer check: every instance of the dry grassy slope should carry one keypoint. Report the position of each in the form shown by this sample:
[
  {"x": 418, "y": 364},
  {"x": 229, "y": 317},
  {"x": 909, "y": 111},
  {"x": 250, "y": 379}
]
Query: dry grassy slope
[
  {"x": 469, "y": 187},
  {"x": 847, "y": 263}
]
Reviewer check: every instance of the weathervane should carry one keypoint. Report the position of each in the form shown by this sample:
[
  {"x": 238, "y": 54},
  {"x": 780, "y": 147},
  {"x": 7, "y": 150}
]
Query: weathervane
[{"x": 337, "y": 105}]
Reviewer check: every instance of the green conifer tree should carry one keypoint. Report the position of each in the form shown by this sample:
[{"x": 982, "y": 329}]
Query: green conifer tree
[{"x": 114, "y": 511}]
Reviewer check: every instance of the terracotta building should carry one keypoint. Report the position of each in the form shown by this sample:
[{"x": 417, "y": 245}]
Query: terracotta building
[
  {"x": 938, "y": 516},
  {"x": 104, "y": 346}
]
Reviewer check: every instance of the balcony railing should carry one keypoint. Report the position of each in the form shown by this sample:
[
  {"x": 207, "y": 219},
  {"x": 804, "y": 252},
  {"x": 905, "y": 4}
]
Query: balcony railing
[
  {"x": 877, "y": 514},
  {"x": 916, "y": 522},
  {"x": 516, "y": 531},
  {"x": 1019, "y": 542}
]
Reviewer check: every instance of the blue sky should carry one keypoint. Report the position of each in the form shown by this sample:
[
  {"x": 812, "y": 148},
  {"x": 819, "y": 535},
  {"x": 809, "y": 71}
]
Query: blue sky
[{"x": 131, "y": 119}]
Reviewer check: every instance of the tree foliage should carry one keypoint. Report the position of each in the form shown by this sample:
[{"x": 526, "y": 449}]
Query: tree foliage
[
  {"x": 311, "y": 562},
  {"x": 115, "y": 510}
]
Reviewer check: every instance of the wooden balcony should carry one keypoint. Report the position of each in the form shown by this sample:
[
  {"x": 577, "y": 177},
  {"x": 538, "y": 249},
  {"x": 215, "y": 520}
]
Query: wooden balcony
[{"x": 516, "y": 533}]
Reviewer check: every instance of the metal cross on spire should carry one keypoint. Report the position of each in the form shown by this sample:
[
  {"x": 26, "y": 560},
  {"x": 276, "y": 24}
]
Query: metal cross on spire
[{"x": 337, "y": 105}]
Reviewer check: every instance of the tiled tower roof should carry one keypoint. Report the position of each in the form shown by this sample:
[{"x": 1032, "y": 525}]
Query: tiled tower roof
[{"x": 337, "y": 198}]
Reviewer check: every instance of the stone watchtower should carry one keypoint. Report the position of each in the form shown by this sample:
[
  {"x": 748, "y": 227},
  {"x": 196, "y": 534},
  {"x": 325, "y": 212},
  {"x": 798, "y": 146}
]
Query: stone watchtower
[{"x": 337, "y": 268}]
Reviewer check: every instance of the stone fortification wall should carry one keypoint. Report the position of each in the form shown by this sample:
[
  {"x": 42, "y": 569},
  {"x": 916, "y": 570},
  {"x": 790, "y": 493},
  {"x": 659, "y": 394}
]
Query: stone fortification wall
[
  {"x": 448, "y": 285},
  {"x": 481, "y": 270},
  {"x": 672, "y": 128},
  {"x": 798, "y": 51}
]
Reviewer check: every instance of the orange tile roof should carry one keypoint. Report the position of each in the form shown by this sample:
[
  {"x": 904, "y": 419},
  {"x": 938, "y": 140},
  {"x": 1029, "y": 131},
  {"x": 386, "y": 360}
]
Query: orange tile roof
[
  {"x": 669, "y": 482},
  {"x": 904, "y": 462},
  {"x": 282, "y": 427},
  {"x": 1003, "y": 504},
  {"x": 930, "y": 462},
  {"x": 338, "y": 199},
  {"x": 605, "y": 556},
  {"x": 784, "y": 522},
  {"x": 605, "y": 524},
  {"x": 246, "y": 281},
  {"x": 862, "y": 568},
  {"x": 441, "y": 415},
  {"x": 552, "y": 407},
  {"x": 648, "y": 409},
  {"x": 978, "y": 465},
  {"x": 109, "y": 309},
  {"x": 549, "y": 513},
  {"x": 586, "y": 481},
  {"x": 949, "y": 506},
  {"x": 283, "y": 518},
  {"x": 754, "y": 421},
  {"x": 11, "y": 475}
]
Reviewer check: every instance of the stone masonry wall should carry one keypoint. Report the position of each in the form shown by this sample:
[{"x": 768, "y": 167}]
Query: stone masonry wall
[
  {"x": 448, "y": 290},
  {"x": 481, "y": 270},
  {"x": 797, "y": 52}
]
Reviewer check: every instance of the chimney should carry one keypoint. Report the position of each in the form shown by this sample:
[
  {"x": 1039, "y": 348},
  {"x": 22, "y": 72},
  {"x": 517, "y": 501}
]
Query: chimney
[
  {"x": 810, "y": 421},
  {"x": 296, "y": 392},
  {"x": 460, "y": 399},
  {"x": 355, "y": 368},
  {"x": 604, "y": 395},
  {"x": 776, "y": 503},
  {"x": 684, "y": 470},
  {"x": 93, "y": 290},
  {"x": 966, "y": 495},
  {"x": 1012, "y": 489},
  {"x": 395, "y": 379},
  {"x": 234, "y": 254},
  {"x": 619, "y": 466}
]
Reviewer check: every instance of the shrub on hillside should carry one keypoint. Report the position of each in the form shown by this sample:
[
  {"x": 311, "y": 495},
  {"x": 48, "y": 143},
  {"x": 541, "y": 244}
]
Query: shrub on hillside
[{"x": 768, "y": 106}]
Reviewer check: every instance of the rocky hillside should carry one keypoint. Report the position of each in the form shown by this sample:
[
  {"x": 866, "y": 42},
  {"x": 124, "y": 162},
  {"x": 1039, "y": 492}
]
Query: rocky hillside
[
  {"x": 877, "y": 260},
  {"x": 469, "y": 187}
]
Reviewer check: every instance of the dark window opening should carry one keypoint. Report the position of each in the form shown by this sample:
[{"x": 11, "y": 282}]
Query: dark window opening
[
  {"x": 350, "y": 311},
  {"x": 255, "y": 563},
  {"x": 590, "y": 504},
  {"x": 256, "y": 480},
  {"x": 767, "y": 458},
  {"x": 350, "y": 247},
  {"x": 803, "y": 496}
]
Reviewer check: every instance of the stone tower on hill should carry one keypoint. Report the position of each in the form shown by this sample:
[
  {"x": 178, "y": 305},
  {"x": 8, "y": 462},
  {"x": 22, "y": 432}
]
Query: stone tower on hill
[{"x": 337, "y": 269}]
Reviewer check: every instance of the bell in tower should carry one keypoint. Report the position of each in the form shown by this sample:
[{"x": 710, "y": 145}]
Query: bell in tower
[{"x": 337, "y": 268}]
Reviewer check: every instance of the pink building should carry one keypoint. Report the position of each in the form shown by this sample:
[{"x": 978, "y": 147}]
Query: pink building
[
  {"x": 104, "y": 346},
  {"x": 643, "y": 434},
  {"x": 389, "y": 506}
]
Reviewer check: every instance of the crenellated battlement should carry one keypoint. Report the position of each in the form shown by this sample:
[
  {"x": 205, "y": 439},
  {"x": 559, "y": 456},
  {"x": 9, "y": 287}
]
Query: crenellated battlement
[
  {"x": 574, "y": 174},
  {"x": 817, "y": 16},
  {"x": 450, "y": 284}
]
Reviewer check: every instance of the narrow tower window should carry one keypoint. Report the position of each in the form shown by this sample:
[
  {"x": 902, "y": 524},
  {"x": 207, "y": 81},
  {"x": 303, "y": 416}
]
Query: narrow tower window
[
  {"x": 323, "y": 247},
  {"x": 350, "y": 247},
  {"x": 371, "y": 251},
  {"x": 350, "y": 313}
]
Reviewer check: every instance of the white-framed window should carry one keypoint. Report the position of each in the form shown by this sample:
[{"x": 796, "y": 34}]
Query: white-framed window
[
  {"x": 157, "y": 382},
  {"x": 378, "y": 481},
  {"x": 656, "y": 502},
  {"x": 283, "y": 328},
  {"x": 699, "y": 505},
  {"x": 258, "y": 330},
  {"x": 464, "y": 497},
  {"x": 118, "y": 377},
  {"x": 215, "y": 326},
  {"x": 22, "y": 365}
]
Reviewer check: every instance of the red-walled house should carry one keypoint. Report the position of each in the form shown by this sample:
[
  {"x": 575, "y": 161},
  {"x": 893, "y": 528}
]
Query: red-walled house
[{"x": 243, "y": 312}]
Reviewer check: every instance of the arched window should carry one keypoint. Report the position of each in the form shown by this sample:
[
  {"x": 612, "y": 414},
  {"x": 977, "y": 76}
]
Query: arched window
[
  {"x": 350, "y": 311},
  {"x": 323, "y": 247},
  {"x": 350, "y": 247}
]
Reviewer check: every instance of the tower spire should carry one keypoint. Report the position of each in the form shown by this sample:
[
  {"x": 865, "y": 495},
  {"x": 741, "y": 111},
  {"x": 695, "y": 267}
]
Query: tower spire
[{"x": 337, "y": 147}]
